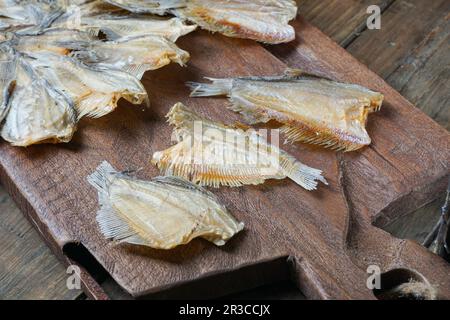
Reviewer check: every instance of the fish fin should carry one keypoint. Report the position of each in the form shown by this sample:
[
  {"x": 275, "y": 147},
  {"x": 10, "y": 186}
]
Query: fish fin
[
  {"x": 293, "y": 73},
  {"x": 218, "y": 87},
  {"x": 209, "y": 175},
  {"x": 300, "y": 173},
  {"x": 319, "y": 137},
  {"x": 112, "y": 226}
]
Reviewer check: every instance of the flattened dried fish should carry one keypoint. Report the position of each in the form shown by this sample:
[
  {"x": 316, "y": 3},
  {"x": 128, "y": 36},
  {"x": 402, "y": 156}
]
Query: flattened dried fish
[
  {"x": 260, "y": 20},
  {"x": 134, "y": 55},
  {"x": 313, "y": 109},
  {"x": 149, "y": 6},
  {"x": 51, "y": 40},
  {"x": 212, "y": 154},
  {"x": 161, "y": 213},
  {"x": 94, "y": 90},
  {"x": 132, "y": 26},
  {"x": 37, "y": 113}
]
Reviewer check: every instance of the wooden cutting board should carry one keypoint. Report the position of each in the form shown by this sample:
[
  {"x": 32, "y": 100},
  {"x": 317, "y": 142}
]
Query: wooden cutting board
[{"x": 323, "y": 241}]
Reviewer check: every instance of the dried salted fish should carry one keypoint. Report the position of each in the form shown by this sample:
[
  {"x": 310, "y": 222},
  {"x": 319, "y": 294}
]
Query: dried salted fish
[
  {"x": 260, "y": 20},
  {"x": 134, "y": 55},
  {"x": 149, "y": 6},
  {"x": 132, "y": 26},
  {"x": 312, "y": 109},
  {"x": 37, "y": 112},
  {"x": 94, "y": 90},
  {"x": 212, "y": 154},
  {"x": 69, "y": 70},
  {"x": 161, "y": 213}
]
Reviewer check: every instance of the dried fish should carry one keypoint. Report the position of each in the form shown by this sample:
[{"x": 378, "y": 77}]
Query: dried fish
[
  {"x": 149, "y": 6},
  {"x": 161, "y": 213},
  {"x": 260, "y": 20},
  {"x": 133, "y": 55},
  {"x": 119, "y": 26},
  {"x": 312, "y": 109},
  {"x": 37, "y": 112},
  {"x": 94, "y": 90},
  {"x": 212, "y": 154}
]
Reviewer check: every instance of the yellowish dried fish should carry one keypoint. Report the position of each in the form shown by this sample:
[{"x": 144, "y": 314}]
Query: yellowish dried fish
[
  {"x": 134, "y": 55},
  {"x": 50, "y": 40},
  {"x": 212, "y": 154},
  {"x": 37, "y": 113},
  {"x": 94, "y": 91},
  {"x": 260, "y": 20},
  {"x": 161, "y": 213},
  {"x": 132, "y": 26},
  {"x": 149, "y": 6},
  {"x": 312, "y": 109}
]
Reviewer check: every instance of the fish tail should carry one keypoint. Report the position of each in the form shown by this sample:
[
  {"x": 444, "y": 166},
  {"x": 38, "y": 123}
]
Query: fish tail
[
  {"x": 218, "y": 87},
  {"x": 302, "y": 174}
]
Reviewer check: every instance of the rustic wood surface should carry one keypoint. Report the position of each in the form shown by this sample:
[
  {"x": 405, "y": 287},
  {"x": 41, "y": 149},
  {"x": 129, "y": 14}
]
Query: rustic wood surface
[{"x": 412, "y": 62}]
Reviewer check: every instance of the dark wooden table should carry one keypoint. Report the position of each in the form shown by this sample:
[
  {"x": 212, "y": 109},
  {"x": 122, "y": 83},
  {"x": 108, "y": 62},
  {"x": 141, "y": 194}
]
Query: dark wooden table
[{"x": 410, "y": 51}]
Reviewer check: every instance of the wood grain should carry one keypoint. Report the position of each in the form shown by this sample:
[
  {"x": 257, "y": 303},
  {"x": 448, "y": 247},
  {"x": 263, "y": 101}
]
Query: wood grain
[
  {"x": 342, "y": 20},
  {"x": 42, "y": 276},
  {"x": 411, "y": 52}
]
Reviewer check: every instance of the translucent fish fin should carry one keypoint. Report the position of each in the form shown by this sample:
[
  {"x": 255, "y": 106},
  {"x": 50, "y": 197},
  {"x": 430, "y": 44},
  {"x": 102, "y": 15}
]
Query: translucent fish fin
[
  {"x": 300, "y": 173},
  {"x": 218, "y": 87},
  {"x": 112, "y": 226},
  {"x": 319, "y": 137}
]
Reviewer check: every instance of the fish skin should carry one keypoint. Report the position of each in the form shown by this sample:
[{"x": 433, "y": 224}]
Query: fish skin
[
  {"x": 37, "y": 113},
  {"x": 312, "y": 109},
  {"x": 261, "y": 20},
  {"x": 161, "y": 213},
  {"x": 229, "y": 165}
]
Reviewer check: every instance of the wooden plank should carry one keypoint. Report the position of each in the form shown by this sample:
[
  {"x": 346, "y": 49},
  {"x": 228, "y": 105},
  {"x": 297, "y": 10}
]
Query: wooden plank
[
  {"x": 28, "y": 269},
  {"x": 325, "y": 246},
  {"x": 341, "y": 20},
  {"x": 403, "y": 28}
]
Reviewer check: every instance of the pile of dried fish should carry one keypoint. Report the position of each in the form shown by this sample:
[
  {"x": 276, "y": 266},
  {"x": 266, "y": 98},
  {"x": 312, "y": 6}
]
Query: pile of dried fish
[
  {"x": 55, "y": 68},
  {"x": 312, "y": 109},
  {"x": 161, "y": 213},
  {"x": 213, "y": 154}
]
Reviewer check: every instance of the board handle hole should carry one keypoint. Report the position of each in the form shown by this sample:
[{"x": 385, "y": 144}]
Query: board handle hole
[{"x": 404, "y": 284}]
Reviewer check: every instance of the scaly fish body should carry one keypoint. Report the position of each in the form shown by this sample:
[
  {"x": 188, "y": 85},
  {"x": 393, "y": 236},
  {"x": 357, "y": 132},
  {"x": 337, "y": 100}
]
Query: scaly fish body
[
  {"x": 161, "y": 213},
  {"x": 313, "y": 109},
  {"x": 221, "y": 155}
]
